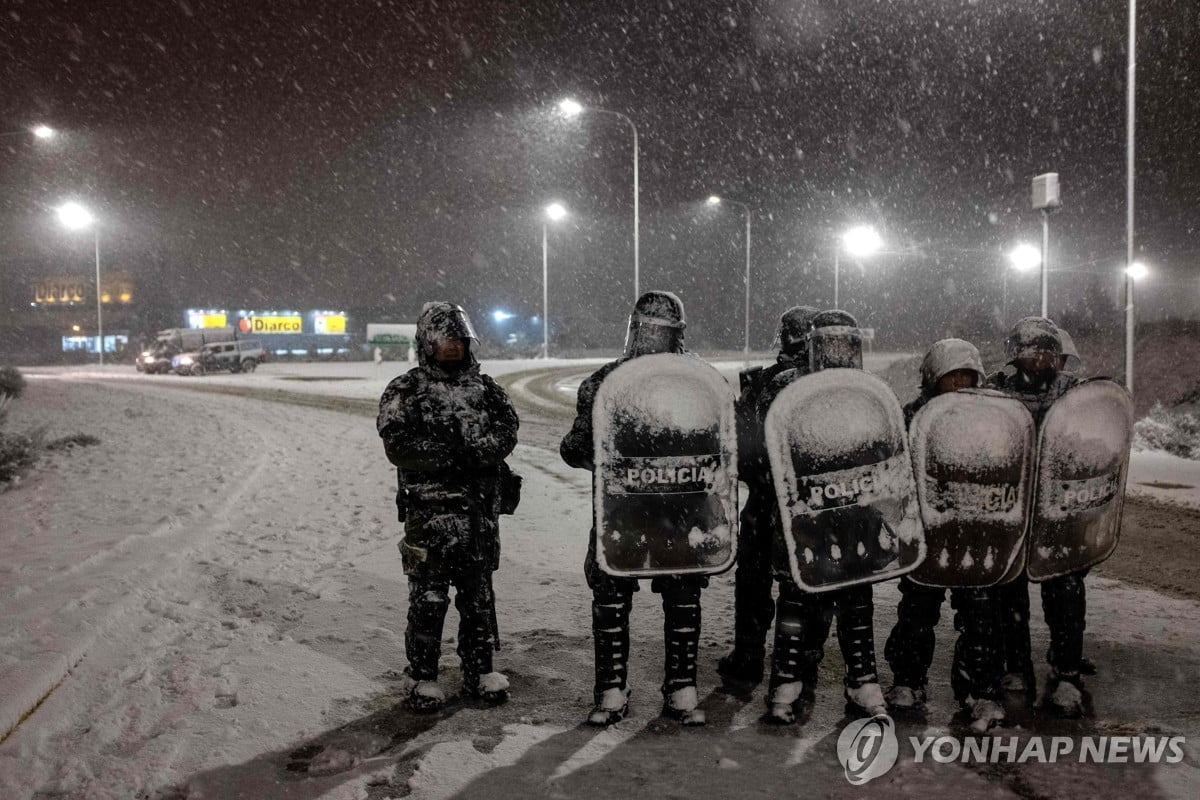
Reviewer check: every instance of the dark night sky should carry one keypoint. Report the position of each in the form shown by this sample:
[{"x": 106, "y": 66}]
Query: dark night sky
[{"x": 340, "y": 154}]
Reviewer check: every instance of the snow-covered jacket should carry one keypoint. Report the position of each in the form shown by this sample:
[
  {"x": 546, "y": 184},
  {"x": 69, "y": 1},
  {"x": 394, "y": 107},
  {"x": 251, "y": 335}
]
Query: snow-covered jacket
[
  {"x": 1037, "y": 394},
  {"x": 447, "y": 432}
]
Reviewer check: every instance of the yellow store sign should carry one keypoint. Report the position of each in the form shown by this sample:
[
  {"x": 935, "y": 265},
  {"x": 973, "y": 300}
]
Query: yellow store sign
[
  {"x": 199, "y": 319},
  {"x": 271, "y": 324},
  {"x": 329, "y": 323}
]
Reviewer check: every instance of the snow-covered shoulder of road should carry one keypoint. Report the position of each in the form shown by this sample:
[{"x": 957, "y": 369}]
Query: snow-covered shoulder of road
[{"x": 1164, "y": 477}]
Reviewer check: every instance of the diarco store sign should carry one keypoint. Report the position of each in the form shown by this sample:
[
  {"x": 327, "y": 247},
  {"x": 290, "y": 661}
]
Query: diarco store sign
[{"x": 271, "y": 323}]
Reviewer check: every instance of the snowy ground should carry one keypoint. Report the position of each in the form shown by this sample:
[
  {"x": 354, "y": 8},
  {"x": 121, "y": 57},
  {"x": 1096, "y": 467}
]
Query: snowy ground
[{"x": 210, "y": 602}]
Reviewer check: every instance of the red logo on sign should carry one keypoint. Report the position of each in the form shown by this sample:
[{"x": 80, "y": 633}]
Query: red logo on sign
[{"x": 244, "y": 324}]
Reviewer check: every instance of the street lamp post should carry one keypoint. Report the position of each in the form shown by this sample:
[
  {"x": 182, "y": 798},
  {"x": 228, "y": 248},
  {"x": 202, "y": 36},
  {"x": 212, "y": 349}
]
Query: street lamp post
[
  {"x": 1046, "y": 199},
  {"x": 1130, "y": 130},
  {"x": 554, "y": 212},
  {"x": 572, "y": 108},
  {"x": 860, "y": 241},
  {"x": 74, "y": 216},
  {"x": 1135, "y": 272},
  {"x": 716, "y": 200}
]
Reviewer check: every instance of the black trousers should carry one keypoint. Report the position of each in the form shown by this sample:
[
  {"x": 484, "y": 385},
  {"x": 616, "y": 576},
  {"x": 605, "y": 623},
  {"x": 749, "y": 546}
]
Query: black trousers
[
  {"x": 802, "y": 624},
  {"x": 612, "y": 599},
  {"x": 428, "y": 601},
  {"x": 753, "y": 605},
  {"x": 1064, "y": 604},
  {"x": 977, "y": 664}
]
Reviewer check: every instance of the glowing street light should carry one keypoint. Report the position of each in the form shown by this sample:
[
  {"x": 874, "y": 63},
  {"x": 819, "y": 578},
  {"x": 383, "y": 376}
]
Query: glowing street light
[
  {"x": 499, "y": 315},
  {"x": 716, "y": 200},
  {"x": 1022, "y": 258},
  {"x": 1137, "y": 271},
  {"x": 570, "y": 107},
  {"x": 1025, "y": 257},
  {"x": 74, "y": 216},
  {"x": 554, "y": 212},
  {"x": 860, "y": 241},
  {"x": 39, "y": 131}
]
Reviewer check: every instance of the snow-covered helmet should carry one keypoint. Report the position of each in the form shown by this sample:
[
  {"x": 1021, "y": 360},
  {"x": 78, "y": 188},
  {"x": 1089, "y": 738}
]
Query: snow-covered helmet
[
  {"x": 656, "y": 325},
  {"x": 948, "y": 355},
  {"x": 1033, "y": 335},
  {"x": 1069, "y": 360},
  {"x": 438, "y": 322},
  {"x": 794, "y": 326},
  {"x": 835, "y": 341}
]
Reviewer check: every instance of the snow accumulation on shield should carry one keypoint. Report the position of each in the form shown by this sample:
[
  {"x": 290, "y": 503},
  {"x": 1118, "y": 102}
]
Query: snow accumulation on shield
[
  {"x": 659, "y": 395},
  {"x": 977, "y": 443}
]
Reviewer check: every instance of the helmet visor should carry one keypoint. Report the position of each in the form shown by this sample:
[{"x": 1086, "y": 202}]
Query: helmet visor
[
  {"x": 834, "y": 347},
  {"x": 644, "y": 339}
]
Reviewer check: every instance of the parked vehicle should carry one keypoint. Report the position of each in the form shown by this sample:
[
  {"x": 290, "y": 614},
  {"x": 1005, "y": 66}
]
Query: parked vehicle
[
  {"x": 168, "y": 344},
  {"x": 242, "y": 355}
]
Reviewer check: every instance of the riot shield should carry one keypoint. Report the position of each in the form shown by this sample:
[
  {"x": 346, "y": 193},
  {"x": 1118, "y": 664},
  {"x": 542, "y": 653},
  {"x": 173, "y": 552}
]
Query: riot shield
[
  {"x": 843, "y": 476},
  {"x": 666, "y": 468},
  {"x": 1083, "y": 458},
  {"x": 973, "y": 454}
]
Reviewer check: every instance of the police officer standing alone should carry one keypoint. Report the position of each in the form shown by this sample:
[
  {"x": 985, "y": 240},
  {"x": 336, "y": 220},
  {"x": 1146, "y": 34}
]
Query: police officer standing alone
[{"x": 448, "y": 428}]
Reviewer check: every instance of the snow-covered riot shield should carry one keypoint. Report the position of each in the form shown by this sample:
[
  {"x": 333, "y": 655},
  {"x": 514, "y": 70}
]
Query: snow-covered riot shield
[
  {"x": 666, "y": 468},
  {"x": 973, "y": 457},
  {"x": 841, "y": 468},
  {"x": 1083, "y": 458}
]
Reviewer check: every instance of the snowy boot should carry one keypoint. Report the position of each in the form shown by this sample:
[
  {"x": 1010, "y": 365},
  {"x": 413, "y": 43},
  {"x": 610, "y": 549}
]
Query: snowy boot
[
  {"x": 867, "y": 699},
  {"x": 490, "y": 688},
  {"x": 985, "y": 713},
  {"x": 904, "y": 698},
  {"x": 681, "y": 705},
  {"x": 1064, "y": 695},
  {"x": 610, "y": 709},
  {"x": 426, "y": 697},
  {"x": 781, "y": 703},
  {"x": 681, "y": 632}
]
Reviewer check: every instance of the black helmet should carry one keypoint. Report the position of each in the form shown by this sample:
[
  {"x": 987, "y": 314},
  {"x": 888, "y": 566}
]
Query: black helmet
[
  {"x": 835, "y": 341},
  {"x": 656, "y": 325},
  {"x": 438, "y": 322},
  {"x": 794, "y": 327},
  {"x": 1031, "y": 335}
]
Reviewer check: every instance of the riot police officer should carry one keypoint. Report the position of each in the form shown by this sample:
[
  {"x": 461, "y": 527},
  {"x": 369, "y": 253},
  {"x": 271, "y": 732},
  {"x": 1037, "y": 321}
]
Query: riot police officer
[
  {"x": 1034, "y": 376},
  {"x": 655, "y": 326},
  {"x": 753, "y": 606},
  {"x": 950, "y": 365},
  {"x": 447, "y": 428},
  {"x": 803, "y": 619}
]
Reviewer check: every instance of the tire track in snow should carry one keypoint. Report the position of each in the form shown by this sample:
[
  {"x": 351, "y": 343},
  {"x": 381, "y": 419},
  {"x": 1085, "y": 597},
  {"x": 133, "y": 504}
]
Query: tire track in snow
[{"x": 101, "y": 595}]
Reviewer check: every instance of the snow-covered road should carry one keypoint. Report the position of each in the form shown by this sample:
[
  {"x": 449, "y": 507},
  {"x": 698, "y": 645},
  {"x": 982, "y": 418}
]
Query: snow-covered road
[{"x": 211, "y": 602}]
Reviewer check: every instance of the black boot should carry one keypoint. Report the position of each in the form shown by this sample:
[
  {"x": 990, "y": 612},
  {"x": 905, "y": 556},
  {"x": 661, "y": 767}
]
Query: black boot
[
  {"x": 476, "y": 642},
  {"x": 427, "y": 604},
  {"x": 610, "y": 633},
  {"x": 681, "y": 631}
]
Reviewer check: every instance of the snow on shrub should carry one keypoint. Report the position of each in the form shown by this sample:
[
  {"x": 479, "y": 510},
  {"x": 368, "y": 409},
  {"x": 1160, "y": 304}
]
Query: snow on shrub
[{"x": 1176, "y": 432}]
